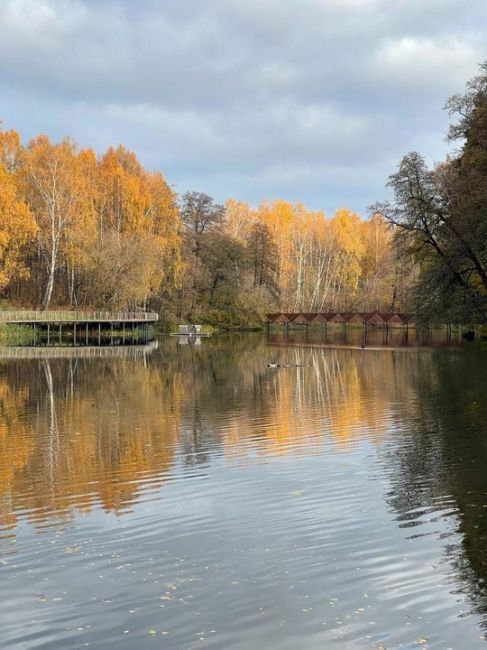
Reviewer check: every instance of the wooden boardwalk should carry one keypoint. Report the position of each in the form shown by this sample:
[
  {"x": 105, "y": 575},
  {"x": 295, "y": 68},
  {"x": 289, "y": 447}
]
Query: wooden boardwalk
[
  {"x": 56, "y": 317},
  {"x": 85, "y": 326}
]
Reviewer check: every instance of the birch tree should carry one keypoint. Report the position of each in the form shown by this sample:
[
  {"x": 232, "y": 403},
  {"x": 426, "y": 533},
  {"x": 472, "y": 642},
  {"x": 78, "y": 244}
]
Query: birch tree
[{"x": 55, "y": 194}]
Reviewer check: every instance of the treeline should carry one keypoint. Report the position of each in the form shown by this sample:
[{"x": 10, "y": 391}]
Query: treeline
[
  {"x": 79, "y": 229},
  {"x": 84, "y": 230},
  {"x": 283, "y": 256}
]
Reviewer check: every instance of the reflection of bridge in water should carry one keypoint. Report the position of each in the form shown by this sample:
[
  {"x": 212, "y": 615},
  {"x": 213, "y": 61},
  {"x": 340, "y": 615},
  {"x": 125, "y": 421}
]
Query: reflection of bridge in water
[
  {"x": 386, "y": 322},
  {"x": 85, "y": 352},
  {"x": 375, "y": 320}
]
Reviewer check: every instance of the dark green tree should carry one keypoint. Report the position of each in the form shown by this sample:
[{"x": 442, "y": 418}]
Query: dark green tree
[{"x": 440, "y": 215}]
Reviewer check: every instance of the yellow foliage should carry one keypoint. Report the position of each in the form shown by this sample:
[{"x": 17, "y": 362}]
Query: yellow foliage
[
  {"x": 9, "y": 149},
  {"x": 239, "y": 219},
  {"x": 17, "y": 230},
  {"x": 109, "y": 233}
]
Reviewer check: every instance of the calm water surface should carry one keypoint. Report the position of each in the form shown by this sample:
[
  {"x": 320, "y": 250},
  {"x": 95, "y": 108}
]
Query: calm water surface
[{"x": 191, "y": 497}]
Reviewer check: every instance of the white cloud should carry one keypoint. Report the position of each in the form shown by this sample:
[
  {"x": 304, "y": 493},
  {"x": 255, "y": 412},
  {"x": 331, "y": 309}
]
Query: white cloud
[
  {"x": 420, "y": 61},
  {"x": 316, "y": 98}
]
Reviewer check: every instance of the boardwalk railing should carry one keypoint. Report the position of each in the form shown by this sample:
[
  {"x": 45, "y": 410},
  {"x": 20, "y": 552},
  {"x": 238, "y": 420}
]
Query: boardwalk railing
[{"x": 77, "y": 317}]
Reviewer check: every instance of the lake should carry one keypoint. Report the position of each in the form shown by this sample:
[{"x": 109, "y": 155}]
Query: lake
[{"x": 189, "y": 496}]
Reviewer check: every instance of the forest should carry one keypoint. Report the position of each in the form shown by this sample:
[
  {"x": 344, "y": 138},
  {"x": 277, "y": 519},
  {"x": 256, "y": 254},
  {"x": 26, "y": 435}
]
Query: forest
[{"x": 82, "y": 229}]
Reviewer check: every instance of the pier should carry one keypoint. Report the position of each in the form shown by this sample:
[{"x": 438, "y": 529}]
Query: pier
[{"x": 84, "y": 327}]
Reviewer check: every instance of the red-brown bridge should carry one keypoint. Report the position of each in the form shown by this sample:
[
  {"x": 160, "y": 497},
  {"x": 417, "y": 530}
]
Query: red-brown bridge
[{"x": 374, "y": 318}]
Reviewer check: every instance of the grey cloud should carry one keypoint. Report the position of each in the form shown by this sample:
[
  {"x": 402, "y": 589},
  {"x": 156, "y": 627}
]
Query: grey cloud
[{"x": 313, "y": 100}]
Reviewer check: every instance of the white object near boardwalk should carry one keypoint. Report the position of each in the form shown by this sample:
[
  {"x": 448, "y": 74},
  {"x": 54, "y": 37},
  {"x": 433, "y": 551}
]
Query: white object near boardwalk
[{"x": 190, "y": 330}]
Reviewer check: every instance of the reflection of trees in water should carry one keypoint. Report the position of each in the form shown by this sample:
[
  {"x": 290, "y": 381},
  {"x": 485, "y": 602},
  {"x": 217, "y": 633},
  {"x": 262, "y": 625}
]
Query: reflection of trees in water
[
  {"x": 439, "y": 466},
  {"x": 343, "y": 394},
  {"x": 74, "y": 433},
  {"x": 79, "y": 431}
]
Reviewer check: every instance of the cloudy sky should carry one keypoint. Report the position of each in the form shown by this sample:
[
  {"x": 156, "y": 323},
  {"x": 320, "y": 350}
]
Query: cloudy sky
[{"x": 309, "y": 100}]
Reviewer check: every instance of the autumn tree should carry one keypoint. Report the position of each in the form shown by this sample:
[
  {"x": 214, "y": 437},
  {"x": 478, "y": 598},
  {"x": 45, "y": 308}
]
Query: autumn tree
[
  {"x": 379, "y": 269},
  {"x": 17, "y": 231},
  {"x": 135, "y": 253},
  {"x": 10, "y": 150},
  {"x": 262, "y": 251},
  {"x": 240, "y": 219},
  {"x": 224, "y": 261},
  {"x": 56, "y": 195},
  {"x": 200, "y": 215}
]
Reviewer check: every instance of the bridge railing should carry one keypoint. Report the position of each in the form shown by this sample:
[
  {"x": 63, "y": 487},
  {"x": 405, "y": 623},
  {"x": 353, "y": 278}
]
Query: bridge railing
[
  {"x": 367, "y": 318},
  {"x": 24, "y": 316}
]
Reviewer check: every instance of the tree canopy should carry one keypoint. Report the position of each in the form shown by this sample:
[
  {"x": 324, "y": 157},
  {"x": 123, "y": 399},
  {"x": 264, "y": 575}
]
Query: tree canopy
[{"x": 440, "y": 215}]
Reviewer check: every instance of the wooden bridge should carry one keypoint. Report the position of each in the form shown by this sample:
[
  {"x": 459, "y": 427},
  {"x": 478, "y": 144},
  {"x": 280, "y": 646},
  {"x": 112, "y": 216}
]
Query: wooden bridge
[
  {"x": 374, "y": 318},
  {"x": 83, "y": 326},
  {"x": 35, "y": 317}
]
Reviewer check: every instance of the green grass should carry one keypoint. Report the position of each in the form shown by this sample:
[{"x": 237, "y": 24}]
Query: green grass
[
  {"x": 16, "y": 335},
  {"x": 25, "y": 335}
]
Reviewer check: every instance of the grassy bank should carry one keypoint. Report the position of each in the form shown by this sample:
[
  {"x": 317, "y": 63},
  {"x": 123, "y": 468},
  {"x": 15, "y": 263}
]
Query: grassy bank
[{"x": 16, "y": 335}]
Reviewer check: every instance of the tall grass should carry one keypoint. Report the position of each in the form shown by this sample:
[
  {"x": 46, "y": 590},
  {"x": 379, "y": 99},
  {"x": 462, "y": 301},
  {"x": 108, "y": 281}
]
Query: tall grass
[{"x": 16, "y": 334}]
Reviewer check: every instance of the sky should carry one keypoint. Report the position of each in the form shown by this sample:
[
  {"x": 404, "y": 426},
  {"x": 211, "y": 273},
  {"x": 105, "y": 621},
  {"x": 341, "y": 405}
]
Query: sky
[{"x": 313, "y": 101}]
